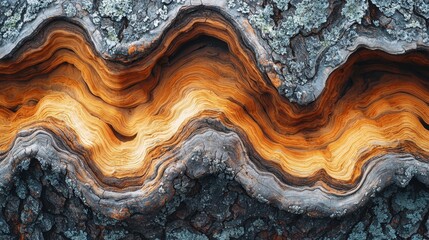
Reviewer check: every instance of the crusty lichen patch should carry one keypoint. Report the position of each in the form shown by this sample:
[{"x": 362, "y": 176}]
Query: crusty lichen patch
[
  {"x": 321, "y": 30},
  {"x": 16, "y": 14},
  {"x": 115, "y": 9},
  {"x": 127, "y": 21},
  {"x": 12, "y": 23}
]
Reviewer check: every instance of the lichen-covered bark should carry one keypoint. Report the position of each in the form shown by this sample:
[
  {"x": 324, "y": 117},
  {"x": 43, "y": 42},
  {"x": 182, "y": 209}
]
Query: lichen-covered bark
[
  {"x": 303, "y": 40},
  {"x": 41, "y": 205},
  {"x": 51, "y": 188}
]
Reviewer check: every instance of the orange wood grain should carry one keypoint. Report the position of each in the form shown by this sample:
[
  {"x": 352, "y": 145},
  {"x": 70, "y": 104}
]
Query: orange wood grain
[{"x": 127, "y": 116}]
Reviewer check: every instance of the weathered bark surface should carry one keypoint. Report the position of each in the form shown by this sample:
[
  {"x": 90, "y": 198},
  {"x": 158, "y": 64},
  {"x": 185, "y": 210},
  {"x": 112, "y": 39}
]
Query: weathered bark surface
[
  {"x": 41, "y": 203},
  {"x": 312, "y": 107}
]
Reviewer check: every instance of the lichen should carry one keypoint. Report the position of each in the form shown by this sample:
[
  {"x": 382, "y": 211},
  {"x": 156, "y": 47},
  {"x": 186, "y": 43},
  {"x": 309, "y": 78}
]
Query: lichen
[
  {"x": 231, "y": 4},
  {"x": 185, "y": 234},
  {"x": 417, "y": 237},
  {"x": 310, "y": 14},
  {"x": 4, "y": 227},
  {"x": 34, "y": 7},
  {"x": 20, "y": 189},
  {"x": 282, "y": 4},
  {"x": 12, "y": 25},
  {"x": 163, "y": 12},
  {"x": 422, "y": 7},
  {"x": 76, "y": 235},
  {"x": 261, "y": 199},
  {"x": 358, "y": 232},
  {"x": 410, "y": 30},
  {"x": 87, "y": 5},
  {"x": 102, "y": 220},
  {"x": 262, "y": 20},
  {"x": 305, "y": 17},
  {"x": 414, "y": 207},
  {"x": 112, "y": 36},
  {"x": 390, "y": 232},
  {"x": 381, "y": 211},
  {"x": 115, "y": 9},
  {"x": 296, "y": 209},
  {"x": 389, "y": 7},
  {"x": 381, "y": 217},
  {"x": 229, "y": 233},
  {"x": 243, "y": 8},
  {"x": 69, "y": 9},
  {"x": 354, "y": 10},
  {"x": 114, "y": 234}
]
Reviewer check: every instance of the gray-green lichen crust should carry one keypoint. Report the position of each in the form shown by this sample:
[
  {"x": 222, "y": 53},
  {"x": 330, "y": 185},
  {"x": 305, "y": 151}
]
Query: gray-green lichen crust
[
  {"x": 309, "y": 37},
  {"x": 302, "y": 41}
]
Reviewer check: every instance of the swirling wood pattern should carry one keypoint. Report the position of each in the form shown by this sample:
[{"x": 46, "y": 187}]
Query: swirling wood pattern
[{"x": 121, "y": 130}]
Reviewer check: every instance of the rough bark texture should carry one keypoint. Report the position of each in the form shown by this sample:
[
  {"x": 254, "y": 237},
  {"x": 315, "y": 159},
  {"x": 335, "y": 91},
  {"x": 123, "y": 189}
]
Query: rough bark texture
[
  {"x": 290, "y": 119},
  {"x": 40, "y": 204}
]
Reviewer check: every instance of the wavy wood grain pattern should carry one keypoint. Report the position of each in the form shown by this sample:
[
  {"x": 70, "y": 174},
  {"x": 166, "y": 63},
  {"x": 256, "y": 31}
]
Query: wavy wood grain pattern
[{"x": 122, "y": 126}]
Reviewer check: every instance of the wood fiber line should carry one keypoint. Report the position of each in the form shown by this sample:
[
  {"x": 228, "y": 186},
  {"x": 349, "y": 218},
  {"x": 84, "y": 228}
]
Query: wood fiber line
[{"x": 126, "y": 118}]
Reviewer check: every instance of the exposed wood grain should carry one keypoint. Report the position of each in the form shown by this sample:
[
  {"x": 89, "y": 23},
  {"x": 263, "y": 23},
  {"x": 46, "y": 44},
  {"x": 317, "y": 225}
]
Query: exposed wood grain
[{"x": 123, "y": 131}]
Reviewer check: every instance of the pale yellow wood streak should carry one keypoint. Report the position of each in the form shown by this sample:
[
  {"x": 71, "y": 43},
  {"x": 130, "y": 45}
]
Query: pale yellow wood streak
[{"x": 64, "y": 80}]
